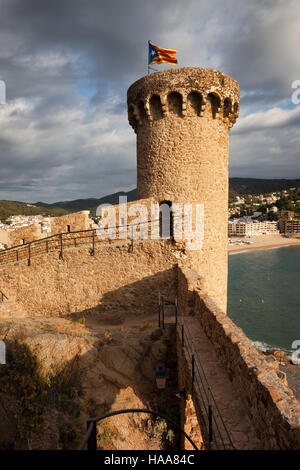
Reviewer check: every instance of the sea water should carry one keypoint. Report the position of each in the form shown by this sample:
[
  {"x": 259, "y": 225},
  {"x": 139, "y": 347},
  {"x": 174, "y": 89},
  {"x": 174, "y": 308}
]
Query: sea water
[{"x": 264, "y": 295}]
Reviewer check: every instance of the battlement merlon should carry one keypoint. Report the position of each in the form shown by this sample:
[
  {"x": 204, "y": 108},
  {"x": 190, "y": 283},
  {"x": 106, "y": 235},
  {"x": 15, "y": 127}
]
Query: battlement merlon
[{"x": 152, "y": 97}]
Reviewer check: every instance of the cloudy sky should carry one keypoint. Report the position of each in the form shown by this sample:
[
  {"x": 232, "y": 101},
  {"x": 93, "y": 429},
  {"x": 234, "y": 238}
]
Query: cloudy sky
[{"x": 67, "y": 65}]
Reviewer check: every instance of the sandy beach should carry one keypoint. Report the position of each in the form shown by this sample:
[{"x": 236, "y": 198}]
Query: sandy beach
[{"x": 263, "y": 242}]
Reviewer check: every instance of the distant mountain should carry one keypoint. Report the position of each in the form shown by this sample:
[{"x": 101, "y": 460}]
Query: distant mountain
[
  {"x": 9, "y": 208},
  {"x": 240, "y": 186},
  {"x": 91, "y": 203},
  {"x": 237, "y": 187}
]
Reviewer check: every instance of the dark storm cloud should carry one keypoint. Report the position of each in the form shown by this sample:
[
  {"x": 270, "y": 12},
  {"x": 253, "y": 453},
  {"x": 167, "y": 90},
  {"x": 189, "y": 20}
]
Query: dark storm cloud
[{"x": 67, "y": 65}]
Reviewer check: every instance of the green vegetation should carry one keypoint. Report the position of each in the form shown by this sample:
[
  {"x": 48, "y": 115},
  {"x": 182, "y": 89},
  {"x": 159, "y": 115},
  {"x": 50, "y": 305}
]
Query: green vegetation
[
  {"x": 243, "y": 186},
  {"x": 32, "y": 396},
  {"x": 92, "y": 203},
  {"x": 9, "y": 208}
]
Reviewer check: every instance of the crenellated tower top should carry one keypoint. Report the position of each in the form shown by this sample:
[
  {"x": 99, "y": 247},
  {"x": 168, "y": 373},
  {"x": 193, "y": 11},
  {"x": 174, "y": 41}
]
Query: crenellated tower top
[{"x": 185, "y": 92}]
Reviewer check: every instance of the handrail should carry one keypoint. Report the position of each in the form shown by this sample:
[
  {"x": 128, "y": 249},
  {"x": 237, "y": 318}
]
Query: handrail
[
  {"x": 58, "y": 239},
  {"x": 90, "y": 437},
  {"x": 83, "y": 231},
  {"x": 197, "y": 363},
  {"x": 206, "y": 395},
  {"x": 3, "y": 296}
]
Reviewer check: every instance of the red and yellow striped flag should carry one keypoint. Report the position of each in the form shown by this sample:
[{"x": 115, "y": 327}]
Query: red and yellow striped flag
[{"x": 157, "y": 55}]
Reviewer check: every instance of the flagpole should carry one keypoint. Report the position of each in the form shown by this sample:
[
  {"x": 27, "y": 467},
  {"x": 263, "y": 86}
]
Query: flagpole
[{"x": 148, "y": 56}]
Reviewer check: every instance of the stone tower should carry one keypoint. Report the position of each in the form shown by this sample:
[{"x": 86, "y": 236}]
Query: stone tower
[{"x": 182, "y": 119}]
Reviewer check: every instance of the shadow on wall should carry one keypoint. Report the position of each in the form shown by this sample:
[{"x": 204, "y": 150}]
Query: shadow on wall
[{"x": 140, "y": 297}]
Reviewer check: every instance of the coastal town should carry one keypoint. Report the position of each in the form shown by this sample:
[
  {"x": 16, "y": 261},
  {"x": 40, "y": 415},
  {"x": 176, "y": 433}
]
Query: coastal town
[
  {"x": 254, "y": 220},
  {"x": 264, "y": 220}
]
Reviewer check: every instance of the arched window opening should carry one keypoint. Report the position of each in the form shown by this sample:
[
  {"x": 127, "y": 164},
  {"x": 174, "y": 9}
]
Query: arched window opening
[
  {"x": 175, "y": 103},
  {"x": 155, "y": 107},
  {"x": 166, "y": 220},
  {"x": 142, "y": 112},
  {"x": 227, "y": 107},
  {"x": 194, "y": 101},
  {"x": 131, "y": 116},
  {"x": 215, "y": 103}
]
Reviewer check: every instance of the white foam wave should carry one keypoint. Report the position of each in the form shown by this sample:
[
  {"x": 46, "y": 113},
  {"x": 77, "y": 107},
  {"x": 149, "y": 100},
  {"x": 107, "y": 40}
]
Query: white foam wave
[{"x": 262, "y": 346}]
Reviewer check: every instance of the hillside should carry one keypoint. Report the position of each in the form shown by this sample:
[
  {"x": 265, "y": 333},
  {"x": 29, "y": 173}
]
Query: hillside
[
  {"x": 91, "y": 203},
  {"x": 237, "y": 186},
  {"x": 9, "y": 208},
  {"x": 241, "y": 186}
]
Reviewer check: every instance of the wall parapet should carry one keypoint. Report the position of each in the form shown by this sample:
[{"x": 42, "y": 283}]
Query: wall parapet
[{"x": 269, "y": 402}]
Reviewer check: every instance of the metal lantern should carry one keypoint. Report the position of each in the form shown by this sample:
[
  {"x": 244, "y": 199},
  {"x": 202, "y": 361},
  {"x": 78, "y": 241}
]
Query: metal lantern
[{"x": 161, "y": 376}]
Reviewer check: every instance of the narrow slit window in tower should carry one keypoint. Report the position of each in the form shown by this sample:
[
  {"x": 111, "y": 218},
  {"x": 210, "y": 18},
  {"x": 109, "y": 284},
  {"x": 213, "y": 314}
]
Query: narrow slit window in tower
[{"x": 166, "y": 222}]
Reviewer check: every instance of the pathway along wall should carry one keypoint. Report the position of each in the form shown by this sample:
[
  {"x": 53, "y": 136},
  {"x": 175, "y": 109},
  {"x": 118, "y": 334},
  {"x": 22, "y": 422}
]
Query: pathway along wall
[
  {"x": 182, "y": 119},
  {"x": 271, "y": 405}
]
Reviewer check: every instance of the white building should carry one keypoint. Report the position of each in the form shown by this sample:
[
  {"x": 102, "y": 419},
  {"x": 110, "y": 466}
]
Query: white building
[{"x": 252, "y": 228}]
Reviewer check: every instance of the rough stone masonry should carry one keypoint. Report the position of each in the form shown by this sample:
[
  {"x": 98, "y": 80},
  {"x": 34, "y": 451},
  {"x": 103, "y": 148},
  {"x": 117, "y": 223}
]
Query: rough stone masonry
[{"x": 182, "y": 119}]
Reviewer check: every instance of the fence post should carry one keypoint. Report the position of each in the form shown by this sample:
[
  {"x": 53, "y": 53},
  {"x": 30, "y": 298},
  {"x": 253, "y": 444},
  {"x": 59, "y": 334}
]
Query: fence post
[
  {"x": 29, "y": 253},
  {"x": 182, "y": 335},
  {"x": 93, "y": 248},
  {"x": 176, "y": 311},
  {"x": 158, "y": 309},
  {"x": 193, "y": 369},
  {"x": 61, "y": 246},
  {"x": 210, "y": 430},
  {"x": 163, "y": 313},
  {"x": 131, "y": 246},
  {"x": 47, "y": 247},
  {"x": 92, "y": 442}
]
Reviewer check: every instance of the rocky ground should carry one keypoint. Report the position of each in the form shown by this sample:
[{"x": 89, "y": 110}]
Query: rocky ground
[
  {"x": 84, "y": 367},
  {"x": 290, "y": 371}
]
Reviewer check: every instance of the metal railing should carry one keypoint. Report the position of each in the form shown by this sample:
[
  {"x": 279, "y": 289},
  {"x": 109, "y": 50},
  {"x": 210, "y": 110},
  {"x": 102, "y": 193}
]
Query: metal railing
[
  {"x": 90, "y": 440},
  {"x": 63, "y": 240},
  {"x": 2, "y": 296},
  {"x": 217, "y": 433},
  {"x": 216, "y": 429}
]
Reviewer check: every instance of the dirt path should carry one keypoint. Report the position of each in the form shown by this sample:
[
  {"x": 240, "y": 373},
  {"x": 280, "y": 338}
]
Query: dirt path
[{"x": 228, "y": 401}]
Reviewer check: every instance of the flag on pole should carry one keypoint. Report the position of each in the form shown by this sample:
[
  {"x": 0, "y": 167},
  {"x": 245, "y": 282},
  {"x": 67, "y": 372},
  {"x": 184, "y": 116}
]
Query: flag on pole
[{"x": 157, "y": 55}]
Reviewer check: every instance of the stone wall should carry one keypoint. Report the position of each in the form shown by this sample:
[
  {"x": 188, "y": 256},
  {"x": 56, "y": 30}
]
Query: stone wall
[
  {"x": 71, "y": 222},
  {"x": 26, "y": 234},
  {"x": 116, "y": 278},
  {"x": 269, "y": 402},
  {"x": 4, "y": 237}
]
